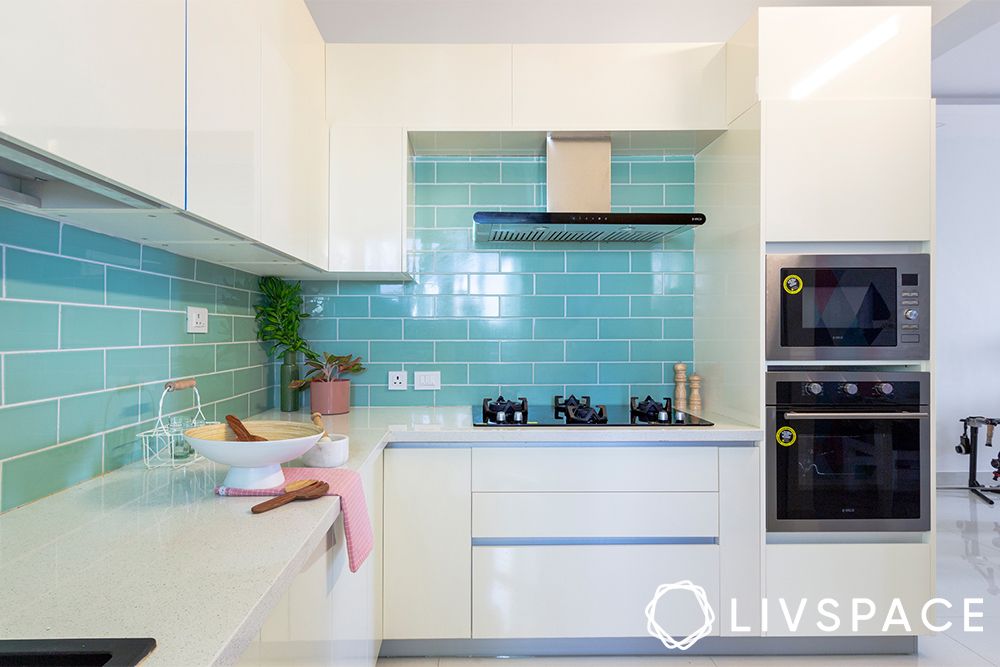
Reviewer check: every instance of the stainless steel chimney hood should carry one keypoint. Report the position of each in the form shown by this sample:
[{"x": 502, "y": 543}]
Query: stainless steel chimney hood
[{"x": 578, "y": 176}]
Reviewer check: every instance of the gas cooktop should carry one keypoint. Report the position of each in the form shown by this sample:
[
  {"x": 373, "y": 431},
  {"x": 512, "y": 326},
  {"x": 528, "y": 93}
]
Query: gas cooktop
[{"x": 573, "y": 411}]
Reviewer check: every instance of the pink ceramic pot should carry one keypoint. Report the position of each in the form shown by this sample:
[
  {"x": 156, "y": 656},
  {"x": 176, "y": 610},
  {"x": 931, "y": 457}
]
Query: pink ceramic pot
[{"x": 330, "y": 398}]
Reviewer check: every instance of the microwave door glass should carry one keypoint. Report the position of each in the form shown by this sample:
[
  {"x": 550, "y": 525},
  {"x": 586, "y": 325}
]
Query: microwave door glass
[{"x": 847, "y": 307}]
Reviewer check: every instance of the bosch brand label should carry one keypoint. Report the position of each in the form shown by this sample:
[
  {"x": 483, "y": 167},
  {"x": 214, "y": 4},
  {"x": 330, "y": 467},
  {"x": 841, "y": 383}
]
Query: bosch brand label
[
  {"x": 786, "y": 436},
  {"x": 793, "y": 284}
]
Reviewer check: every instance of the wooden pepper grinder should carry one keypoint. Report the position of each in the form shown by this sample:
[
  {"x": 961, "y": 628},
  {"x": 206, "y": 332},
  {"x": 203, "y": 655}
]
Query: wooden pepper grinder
[
  {"x": 695, "y": 400},
  {"x": 680, "y": 387}
]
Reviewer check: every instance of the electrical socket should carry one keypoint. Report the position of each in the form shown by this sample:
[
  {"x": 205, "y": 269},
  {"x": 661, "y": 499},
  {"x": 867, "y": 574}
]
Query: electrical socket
[
  {"x": 197, "y": 320},
  {"x": 426, "y": 380},
  {"x": 397, "y": 380}
]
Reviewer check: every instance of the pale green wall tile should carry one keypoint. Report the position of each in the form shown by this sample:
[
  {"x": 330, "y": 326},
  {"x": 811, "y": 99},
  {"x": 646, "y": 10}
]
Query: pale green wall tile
[
  {"x": 220, "y": 330},
  {"x": 471, "y": 351},
  {"x": 187, "y": 360},
  {"x": 423, "y": 217},
  {"x": 631, "y": 283},
  {"x": 539, "y": 397},
  {"x": 532, "y": 306},
  {"x": 382, "y": 396},
  {"x": 443, "y": 239},
  {"x": 522, "y": 172},
  {"x": 439, "y": 195},
  {"x": 450, "y": 373},
  {"x": 679, "y": 195},
  {"x": 28, "y": 231},
  {"x": 622, "y": 373},
  {"x": 239, "y": 406},
  {"x": 316, "y": 328},
  {"x": 678, "y": 283},
  {"x": 208, "y": 272},
  {"x": 26, "y": 428},
  {"x": 402, "y": 306},
  {"x": 173, "y": 402},
  {"x": 565, "y": 373},
  {"x": 399, "y": 351},
  {"x": 662, "y": 306},
  {"x": 373, "y": 289},
  {"x": 376, "y": 373},
  {"x": 423, "y": 172},
  {"x": 662, "y": 350},
  {"x": 435, "y": 329},
  {"x": 566, "y": 328},
  {"x": 375, "y": 329},
  {"x": 228, "y": 357},
  {"x": 566, "y": 283},
  {"x": 435, "y": 284},
  {"x": 244, "y": 328},
  {"x": 337, "y": 306},
  {"x": 38, "y": 475},
  {"x": 260, "y": 354},
  {"x": 232, "y": 301},
  {"x": 359, "y": 348},
  {"x": 161, "y": 261},
  {"x": 597, "y": 306},
  {"x": 631, "y": 328},
  {"x": 46, "y": 278},
  {"x": 124, "y": 446},
  {"x": 637, "y": 195},
  {"x": 220, "y": 386},
  {"x": 663, "y": 172},
  {"x": 28, "y": 326},
  {"x": 33, "y": 376},
  {"x": 532, "y": 261},
  {"x": 455, "y": 216},
  {"x": 137, "y": 289},
  {"x": 603, "y": 394},
  {"x": 359, "y": 395},
  {"x": 658, "y": 261},
  {"x": 678, "y": 328},
  {"x": 620, "y": 172},
  {"x": 501, "y": 284},
  {"x": 246, "y": 281},
  {"x": 597, "y": 261},
  {"x": 465, "y": 262},
  {"x": 184, "y": 293},
  {"x": 501, "y": 329},
  {"x": 84, "y": 326},
  {"x": 160, "y": 328},
  {"x": 81, "y": 416},
  {"x": 464, "y": 395},
  {"x": 526, "y": 350},
  {"x": 503, "y": 195},
  {"x": 468, "y": 172},
  {"x": 137, "y": 365},
  {"x": 85, "y": 244},
  {"x": 504, "y": 373},
  {"x": 605, "y": 350},
  {"x": 467, "y": 306}
]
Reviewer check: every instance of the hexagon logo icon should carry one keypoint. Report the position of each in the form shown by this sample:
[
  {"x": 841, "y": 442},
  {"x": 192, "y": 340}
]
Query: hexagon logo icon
[{"x": 656, "y": 630}]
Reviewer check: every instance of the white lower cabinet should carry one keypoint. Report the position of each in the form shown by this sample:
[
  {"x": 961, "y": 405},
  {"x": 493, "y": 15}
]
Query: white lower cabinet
[
  {"x": 843, "y": 573},
  {"x": 587, "y": 590},
  {"x": 428, "y": 544}
]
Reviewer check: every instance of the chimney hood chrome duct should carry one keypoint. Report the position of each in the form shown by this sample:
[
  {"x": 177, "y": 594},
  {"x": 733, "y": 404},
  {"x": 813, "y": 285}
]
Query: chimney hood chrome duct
[{"x": 578, "y": 176}]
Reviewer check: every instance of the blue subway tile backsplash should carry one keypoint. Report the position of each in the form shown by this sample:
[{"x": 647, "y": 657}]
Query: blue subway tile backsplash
[{"x": 523, "y": 320}]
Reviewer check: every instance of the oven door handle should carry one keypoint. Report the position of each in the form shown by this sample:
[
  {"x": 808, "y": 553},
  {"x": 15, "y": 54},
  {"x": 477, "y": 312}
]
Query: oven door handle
[{"x": 855, "y": 415}]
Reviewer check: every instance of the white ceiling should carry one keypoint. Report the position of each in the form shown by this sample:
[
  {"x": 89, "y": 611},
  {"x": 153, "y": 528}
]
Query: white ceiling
[{"x": 579, "y": 21}]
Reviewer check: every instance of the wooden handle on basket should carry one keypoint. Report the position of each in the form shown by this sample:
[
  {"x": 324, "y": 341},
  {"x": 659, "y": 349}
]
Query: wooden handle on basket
[
  {"x": 317, "y": 419},
  {"x": 177, "y": 385}
]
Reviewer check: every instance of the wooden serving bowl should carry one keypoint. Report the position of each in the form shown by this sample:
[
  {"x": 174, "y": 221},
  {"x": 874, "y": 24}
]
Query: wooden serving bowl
[{"x": 254, "y": 465}]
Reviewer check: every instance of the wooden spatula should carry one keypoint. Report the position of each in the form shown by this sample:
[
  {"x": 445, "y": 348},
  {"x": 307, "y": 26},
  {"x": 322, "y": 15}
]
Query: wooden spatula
[
  {"x": 311, "y": 490},
  {"x": 242, "y": 434}
]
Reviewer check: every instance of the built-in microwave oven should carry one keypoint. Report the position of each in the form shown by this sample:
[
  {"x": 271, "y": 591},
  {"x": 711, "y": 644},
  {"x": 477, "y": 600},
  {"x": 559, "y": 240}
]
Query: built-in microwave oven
[{"x": 848, "y": 307}]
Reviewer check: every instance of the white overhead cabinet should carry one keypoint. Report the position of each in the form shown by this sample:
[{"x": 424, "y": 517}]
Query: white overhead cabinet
[
  {"x": 99, "y": 84},
  {"x": 224, "y": 113}
]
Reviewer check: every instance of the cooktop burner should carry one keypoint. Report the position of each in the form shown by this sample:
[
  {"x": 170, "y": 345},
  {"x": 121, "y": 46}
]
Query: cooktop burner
[{"x": 573, "y": 411}]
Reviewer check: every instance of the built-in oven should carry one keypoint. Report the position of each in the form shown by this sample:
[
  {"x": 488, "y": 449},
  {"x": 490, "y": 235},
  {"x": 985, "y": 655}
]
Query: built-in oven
[
  {"x": 848, "y": 451},
  {"x": 848, "y": 307}
]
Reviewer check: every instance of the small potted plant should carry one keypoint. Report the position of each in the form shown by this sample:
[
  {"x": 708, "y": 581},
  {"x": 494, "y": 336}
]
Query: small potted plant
[
  {"x": 329, "y": 392},
  {"x": 278, "y": 319}
]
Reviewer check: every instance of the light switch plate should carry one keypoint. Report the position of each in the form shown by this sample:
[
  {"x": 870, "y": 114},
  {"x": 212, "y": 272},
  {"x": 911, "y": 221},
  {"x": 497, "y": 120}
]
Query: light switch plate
[
  {"x": 197, "y": 320},
  {"x": 397, "y": 380},
  {"x": 426, "y": 380}
]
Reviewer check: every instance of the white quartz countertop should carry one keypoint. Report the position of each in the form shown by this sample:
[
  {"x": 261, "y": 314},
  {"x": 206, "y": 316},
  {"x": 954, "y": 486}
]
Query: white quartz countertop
[{"x": 154, "y": 553}]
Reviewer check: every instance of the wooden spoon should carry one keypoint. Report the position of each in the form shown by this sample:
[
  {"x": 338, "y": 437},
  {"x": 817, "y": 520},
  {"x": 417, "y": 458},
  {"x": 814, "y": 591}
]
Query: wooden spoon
[
  {"x": 242, "y": 434},
  {"x": 295, "y": 491}
]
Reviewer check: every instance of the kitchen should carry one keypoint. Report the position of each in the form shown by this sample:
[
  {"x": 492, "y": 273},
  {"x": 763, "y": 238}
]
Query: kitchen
[{"x": 603, "y": 307}]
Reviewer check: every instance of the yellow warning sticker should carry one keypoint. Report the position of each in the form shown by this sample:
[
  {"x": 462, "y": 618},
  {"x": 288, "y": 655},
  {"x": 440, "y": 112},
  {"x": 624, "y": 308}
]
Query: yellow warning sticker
[
  {"x": 786, "y": 436},
  {"x": 792, "y": 284}
]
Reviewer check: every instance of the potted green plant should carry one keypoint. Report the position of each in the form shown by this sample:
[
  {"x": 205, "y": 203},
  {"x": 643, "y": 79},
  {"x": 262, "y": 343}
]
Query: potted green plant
[
  {"x": 329, "y": 391},
  {"x": 279, "y": 317}
]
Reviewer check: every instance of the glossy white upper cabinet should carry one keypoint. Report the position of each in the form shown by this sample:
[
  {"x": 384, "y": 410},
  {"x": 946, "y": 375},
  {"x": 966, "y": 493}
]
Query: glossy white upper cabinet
[
  {"x": 368, "y": 218},
  {"x": 419, "y": 86},
  {"x": 619, "y": 86},
  {"x": 224, "y": 113},
  {"x": 99, "y": 84},
  {"x": 294, "y": 157},
  {"x": 811, "y": 53},
  {"x": 847, "y": 170}
]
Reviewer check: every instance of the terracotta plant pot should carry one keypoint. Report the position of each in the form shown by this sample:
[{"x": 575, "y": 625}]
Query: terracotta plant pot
[{"x": 330, "y": 398}]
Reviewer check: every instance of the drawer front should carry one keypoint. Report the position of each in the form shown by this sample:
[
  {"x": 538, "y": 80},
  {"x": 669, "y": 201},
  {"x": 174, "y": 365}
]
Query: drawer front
[
  {"x": 595, "y": 469},
  {"x": 619, "y": 515},
  {"x": 588, "y": 591}
]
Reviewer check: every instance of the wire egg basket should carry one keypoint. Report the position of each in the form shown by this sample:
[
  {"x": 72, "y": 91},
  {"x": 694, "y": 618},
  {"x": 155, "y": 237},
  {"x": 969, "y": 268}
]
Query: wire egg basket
[{"x": 164, "y": 445}]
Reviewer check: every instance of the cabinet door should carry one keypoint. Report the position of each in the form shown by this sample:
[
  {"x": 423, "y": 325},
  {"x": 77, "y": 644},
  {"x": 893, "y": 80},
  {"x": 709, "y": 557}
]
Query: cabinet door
[
  {"x": 847, "y": 170},
  {"x": 619, "y": 86},
  {"x": 428, "y": 544},
  {"x": 223, "y": 174},
  {"x": 294, "y": 159},
  {"x": 99, "y": 84},
  {"x": 368, "y": 177}
]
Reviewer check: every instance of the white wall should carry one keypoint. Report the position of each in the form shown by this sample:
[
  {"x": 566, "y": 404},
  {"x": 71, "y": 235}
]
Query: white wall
[{"x": 967, "y": 269}]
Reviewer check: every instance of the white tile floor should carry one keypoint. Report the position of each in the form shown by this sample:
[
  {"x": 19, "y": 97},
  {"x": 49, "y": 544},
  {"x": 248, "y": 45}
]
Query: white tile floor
[{"x": 968, "y": 565}]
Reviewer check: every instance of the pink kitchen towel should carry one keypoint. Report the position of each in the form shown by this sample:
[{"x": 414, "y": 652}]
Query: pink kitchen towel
[{"x": 344, "y": 483}]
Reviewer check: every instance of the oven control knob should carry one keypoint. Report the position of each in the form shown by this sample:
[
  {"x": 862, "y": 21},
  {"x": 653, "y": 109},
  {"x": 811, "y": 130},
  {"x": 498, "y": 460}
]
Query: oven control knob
[
  {"x": 849, "y": 388},
  {"x": 814, "y": 388},
  {"x": 884, "y": 389},
  {"x": 911, "y": 313}
]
